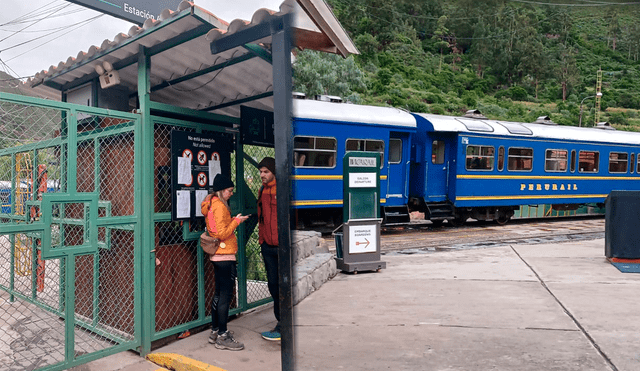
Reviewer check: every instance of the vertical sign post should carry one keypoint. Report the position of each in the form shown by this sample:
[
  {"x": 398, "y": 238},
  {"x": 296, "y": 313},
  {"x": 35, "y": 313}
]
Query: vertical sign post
[{"x": 361, "y": 212}]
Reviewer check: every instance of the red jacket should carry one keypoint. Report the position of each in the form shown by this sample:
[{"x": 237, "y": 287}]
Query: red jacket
[{"x": 268, "y": 214}]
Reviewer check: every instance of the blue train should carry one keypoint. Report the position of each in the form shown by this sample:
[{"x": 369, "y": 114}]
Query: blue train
[{"x": 454, "y": 168}]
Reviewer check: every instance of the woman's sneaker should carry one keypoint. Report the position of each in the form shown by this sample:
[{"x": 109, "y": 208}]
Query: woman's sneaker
[
  {"x": 213, "y": 336},
  {"x": 226, "y": 341}
]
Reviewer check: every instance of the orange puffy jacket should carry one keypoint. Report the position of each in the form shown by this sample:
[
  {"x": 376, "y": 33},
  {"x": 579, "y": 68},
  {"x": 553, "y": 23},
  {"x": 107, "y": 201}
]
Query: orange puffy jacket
[{"x": 220, "y": 224}]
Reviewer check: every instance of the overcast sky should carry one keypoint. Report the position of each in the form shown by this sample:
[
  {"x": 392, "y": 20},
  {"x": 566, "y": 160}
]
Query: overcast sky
[{"x": 61, "y": 43}]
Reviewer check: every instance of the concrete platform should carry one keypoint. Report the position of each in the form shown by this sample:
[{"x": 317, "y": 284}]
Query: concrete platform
[{"x": 521, "y": 307}]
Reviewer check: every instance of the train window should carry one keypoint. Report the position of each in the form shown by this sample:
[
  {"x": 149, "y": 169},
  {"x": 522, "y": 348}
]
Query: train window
[
  {"x": 618, "y": 162},
  {"x": 314, "y": 151},
  {"x": 367, "y": 145},
  {"x": 573, "y": 160},
  {"x": 500, "y": 158},
  {"x": 437, "y": 152},
  {"x": 556, "y": 160},
  {"x": 632, "y": 162},
  {"x": 480, "y": 157},
  {"x": 638, "y": 164},
  {"x": 520, "y": 159},
  {"x": 395, "y": 151},
  {"x": 588, "y": 161}
]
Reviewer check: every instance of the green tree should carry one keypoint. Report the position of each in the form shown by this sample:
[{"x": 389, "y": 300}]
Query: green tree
[
  {"x": 613, "y": 27},
  {"x": 324, "y": 73},
  {"x": 441, "y": 37},
  {"x": 565, "y": 69}
]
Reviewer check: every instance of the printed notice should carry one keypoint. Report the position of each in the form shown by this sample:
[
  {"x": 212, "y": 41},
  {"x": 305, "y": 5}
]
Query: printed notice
[
  {"x": 184, "y": 170},
  {"x": 183, "y": 207},
  {"x": 200, "y": 195},
  {"x": 363, "y": 239},
  {"x": 362, "y": 180},
  {"x": 214, "y": 169}
]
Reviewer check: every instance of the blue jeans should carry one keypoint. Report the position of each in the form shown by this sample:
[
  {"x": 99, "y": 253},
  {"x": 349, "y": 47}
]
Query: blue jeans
[
  {"x": 225, "y": 275},
  {"x": 270, "y": 257}
]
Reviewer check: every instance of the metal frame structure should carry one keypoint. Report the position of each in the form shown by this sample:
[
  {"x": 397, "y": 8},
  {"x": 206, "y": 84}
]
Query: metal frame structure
[{"x": 144, "y": 219}]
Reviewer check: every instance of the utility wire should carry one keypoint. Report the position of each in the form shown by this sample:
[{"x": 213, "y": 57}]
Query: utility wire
[
  {"x": 15, "y": 33},
  {"x": 80, "y": 24},
  {"x": 23, "y": 16}
]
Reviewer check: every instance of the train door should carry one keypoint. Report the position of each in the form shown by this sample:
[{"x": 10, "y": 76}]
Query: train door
[
  {"x": 438, "y": 167},
  {"x": 397, "y": 169}
]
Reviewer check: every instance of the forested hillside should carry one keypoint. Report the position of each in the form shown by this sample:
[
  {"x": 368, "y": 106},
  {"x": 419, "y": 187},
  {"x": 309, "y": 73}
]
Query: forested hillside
[{"x": 513, "y": 60}]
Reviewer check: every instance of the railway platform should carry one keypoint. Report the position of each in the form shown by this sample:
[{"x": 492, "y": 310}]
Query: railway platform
[{"x": 550, "y": 306}]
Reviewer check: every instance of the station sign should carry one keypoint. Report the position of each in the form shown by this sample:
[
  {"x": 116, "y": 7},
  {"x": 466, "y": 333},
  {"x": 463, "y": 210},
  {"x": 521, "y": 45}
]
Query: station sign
[
  {"x": 363, "y": 239},
  {"x": 360, "y": 242},
  {"x": 361, "y": 184},
  {"x": 135, "y": 11}
]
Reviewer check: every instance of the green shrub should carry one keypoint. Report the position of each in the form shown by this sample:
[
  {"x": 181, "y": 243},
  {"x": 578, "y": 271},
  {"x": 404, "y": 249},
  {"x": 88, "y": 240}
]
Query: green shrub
[{"x": 438, "y": 109}]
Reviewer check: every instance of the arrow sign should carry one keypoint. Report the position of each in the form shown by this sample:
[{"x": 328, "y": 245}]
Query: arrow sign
[{"x": 362, "y": 243}]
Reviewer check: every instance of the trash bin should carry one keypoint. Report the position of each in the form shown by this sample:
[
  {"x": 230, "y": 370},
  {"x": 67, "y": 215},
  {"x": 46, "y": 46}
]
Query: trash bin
[
  {"x": 338, "y": 238},
  {"x": 622, "y": 225}
]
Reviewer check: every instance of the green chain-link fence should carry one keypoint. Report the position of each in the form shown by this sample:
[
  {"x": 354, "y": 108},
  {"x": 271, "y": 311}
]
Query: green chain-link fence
[{"x": 71, "y": 298}]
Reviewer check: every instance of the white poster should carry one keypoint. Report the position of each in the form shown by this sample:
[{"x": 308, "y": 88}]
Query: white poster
[
  {"x": 214, "y": 167},
  {"x": 184, "y": 170},
  {"x": 200, "y": 195},
  {"x": 183, "y": 207},
  {"x": 362, "y": 180},
  {"x": 363, "y": 239}
]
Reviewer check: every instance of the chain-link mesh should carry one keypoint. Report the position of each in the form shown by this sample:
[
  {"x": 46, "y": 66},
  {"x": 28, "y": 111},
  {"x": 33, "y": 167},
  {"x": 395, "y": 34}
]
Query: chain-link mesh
[
  {"x": 34, "y": 151},
  {"x": 176, "y": 273}
]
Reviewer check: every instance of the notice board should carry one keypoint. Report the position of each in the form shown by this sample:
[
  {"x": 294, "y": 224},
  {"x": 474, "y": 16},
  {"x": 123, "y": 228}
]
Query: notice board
[{"x": 196, "y": 158}]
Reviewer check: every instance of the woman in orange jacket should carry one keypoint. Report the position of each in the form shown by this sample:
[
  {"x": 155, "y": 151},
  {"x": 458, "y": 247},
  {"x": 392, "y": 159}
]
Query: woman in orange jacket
[{"x": 220, "y": 225}]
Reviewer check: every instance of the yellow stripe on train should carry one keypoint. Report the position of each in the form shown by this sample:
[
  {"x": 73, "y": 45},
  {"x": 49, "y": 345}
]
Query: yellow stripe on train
[{"x": 321, "y": 203}]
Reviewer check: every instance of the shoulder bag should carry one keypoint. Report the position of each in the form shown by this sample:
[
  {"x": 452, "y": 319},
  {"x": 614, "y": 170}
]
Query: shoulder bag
[{"x": 209, "y": 244}]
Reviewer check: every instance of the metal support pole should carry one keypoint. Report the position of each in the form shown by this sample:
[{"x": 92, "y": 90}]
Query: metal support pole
[
  {"x": 145, "y": 239},
  {"x": 281, "y": 49}
]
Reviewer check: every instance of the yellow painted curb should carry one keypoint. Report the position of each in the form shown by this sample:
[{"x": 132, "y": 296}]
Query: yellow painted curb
[{"x": 177, "y": 362}]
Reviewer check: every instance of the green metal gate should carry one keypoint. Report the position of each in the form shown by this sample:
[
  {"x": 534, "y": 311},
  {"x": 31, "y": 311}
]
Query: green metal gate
[
  {"x": 74, "y": 253},
  {"x": 69, "y": 288}
]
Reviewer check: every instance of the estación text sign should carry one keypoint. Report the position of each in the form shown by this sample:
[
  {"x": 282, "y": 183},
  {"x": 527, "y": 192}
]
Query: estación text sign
[{"x": 136, "y": 11}]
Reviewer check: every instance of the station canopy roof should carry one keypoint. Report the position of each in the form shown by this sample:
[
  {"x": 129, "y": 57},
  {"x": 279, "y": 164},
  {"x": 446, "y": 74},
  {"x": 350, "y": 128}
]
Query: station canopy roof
[{"x": 185, "y": 72}]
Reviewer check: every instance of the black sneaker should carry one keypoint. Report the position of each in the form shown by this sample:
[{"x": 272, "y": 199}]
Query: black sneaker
[{"x": 226, "y": 341}]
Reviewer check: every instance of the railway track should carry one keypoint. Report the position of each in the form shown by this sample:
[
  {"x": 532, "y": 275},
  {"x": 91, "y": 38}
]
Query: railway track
[{"x": 424, "y": 238}]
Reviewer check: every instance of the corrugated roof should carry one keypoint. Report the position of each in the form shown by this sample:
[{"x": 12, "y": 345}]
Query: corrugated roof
[{"x": 184, "y": 72}]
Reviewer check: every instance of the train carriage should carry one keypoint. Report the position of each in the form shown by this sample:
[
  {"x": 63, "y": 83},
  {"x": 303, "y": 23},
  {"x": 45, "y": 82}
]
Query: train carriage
[
  {"x": 484, "y": 169},
  {"x": 324, "y": 132}
]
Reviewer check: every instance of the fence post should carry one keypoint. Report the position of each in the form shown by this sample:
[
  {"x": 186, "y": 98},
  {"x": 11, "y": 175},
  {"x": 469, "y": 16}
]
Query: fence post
[{"x": 144, "y": 265}]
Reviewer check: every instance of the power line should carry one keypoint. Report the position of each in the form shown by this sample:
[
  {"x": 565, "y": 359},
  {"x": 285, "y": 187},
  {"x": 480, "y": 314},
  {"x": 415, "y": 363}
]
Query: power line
[
  {"x": 80, "y": 24},
  {"x": 22, "y": 16},
  {"x": 15, "y": 33}
]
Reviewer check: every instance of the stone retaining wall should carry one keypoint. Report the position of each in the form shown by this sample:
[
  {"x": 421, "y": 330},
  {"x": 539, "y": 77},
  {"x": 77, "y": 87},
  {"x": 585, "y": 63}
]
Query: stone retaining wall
[{"x": 313, "y": 263}]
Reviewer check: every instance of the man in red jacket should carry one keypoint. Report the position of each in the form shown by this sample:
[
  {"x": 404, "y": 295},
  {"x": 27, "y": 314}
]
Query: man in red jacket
[{"x": 268, "y": 236}]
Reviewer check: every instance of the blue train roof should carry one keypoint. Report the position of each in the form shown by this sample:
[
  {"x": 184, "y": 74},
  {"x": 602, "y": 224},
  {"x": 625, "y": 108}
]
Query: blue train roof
[
  {"x": 469, "y": 125},
  {"x": 344, "y": 112}
]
